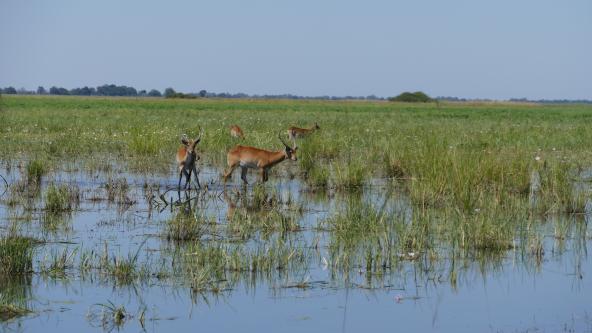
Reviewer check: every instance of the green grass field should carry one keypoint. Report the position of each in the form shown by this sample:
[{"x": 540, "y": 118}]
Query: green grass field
[{"x": 466, "y": 157}]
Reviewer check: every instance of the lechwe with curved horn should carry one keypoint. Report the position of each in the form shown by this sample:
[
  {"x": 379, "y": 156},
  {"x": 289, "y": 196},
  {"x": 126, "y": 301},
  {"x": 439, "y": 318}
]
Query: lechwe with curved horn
[
  {"x": 255, "y": 158},
  {"x": 186, "y": 159}
]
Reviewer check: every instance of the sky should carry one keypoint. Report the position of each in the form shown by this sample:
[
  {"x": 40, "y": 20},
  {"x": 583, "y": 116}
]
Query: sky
[{"x": 538, "y": 49}]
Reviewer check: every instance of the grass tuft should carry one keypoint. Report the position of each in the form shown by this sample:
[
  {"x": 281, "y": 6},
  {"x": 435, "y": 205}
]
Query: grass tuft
[{"x": 16, "y": 255}]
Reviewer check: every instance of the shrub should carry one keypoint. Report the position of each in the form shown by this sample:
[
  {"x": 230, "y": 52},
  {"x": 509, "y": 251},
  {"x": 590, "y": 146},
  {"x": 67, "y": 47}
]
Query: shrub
[{"x": 415, "y": 97}]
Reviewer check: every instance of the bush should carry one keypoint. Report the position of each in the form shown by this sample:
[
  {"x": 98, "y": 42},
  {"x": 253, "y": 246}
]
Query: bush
[{"x": 415, "y": 97}]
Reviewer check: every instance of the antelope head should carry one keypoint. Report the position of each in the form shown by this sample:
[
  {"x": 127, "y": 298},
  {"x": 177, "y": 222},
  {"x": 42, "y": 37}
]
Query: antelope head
[{"x": 190, "y": 145}]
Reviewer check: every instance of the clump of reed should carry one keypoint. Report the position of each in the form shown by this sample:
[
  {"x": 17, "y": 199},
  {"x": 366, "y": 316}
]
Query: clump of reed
[
  {"x": 184, "y": 227},
  {"x": 117, "y": 191},
  {"x": 16, "y": 265},
  {"x": 393, "y": 168},
  {"x": 61, "y": 198},
  {"x": 244, "y": 223},
  {"x": 349, "y": 176},
  {"x": 56, "y": 264},
  {"x": 144, "y": 143},
  {"x": 125, "y": 270},
  {"x": 214, "y": 266},
  {"x": 318, "y": 177},
  {"x": 356, "y": 220},
  {"x": 35, "y": 170},
  {"x": 16, "y": 255}
]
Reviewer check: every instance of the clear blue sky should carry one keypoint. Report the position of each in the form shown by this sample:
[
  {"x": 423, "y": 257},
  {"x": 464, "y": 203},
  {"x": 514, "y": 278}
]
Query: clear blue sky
[{"x": 467, "y": 48}]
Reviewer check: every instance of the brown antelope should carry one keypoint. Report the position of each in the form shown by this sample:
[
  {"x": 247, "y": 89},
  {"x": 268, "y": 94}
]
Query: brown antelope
[
  {"x": 236, "y": 132},
  {"x": 255, "y": 158},
  {"x": 186, "y": 158},
  {"x": 297, "y": 132}
]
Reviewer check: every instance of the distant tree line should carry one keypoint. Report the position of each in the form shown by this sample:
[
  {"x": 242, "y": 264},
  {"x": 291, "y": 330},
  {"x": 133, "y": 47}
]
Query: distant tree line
[
  {"x": 551, "y": 101},
  {"x": 171, "y": 93},
  {"x": 104, "y": 90},
  {"x": 115, "y": 90}
]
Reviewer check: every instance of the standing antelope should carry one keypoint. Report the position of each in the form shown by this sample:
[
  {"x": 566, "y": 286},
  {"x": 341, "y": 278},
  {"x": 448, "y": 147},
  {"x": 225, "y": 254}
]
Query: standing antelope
[
  {"x": 236, "y": 132},
  {"x": 186, "y": 158},
  {"x": 255, "y": 158},
  {"x": 297, "y": 132}
]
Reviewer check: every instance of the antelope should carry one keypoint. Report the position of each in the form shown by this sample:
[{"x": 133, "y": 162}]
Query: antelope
[
  {"x": 236, "y": 132},
  {"x": 297, "y": 132},
  {"x": 255, "y": 158},
  {"x": 186, "y": 158}
]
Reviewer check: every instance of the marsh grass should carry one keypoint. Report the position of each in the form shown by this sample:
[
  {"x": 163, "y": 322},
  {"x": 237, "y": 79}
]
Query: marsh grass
[
  {"x": 56, "y": 264},
  {"x": 117, "y": 191},
  {"x": 60, "y": 199},
  {"x": 393, "y": 167},
  {"x": 349, "y": 176},
  {"x": 108, "y": 315},
  {"x": 263, "y": 212},
  {"x": 214, "y": 266},
  {"x": 185, "y": 227},
  {"x": 16, "y": 265},
  {"x": 21, "y": 193},
  {"x": 318, "y": 177},
  {"x": 125, "y": 270},
  {"x": 35, "y": 170},
  {"x": 16, "y": 255}
]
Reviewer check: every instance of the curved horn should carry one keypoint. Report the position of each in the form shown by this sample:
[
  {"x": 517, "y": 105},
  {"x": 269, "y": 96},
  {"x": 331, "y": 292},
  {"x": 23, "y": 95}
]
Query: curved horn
[
  {"x": 200, "y": 135},
  {"x": 282, "y": 140}
]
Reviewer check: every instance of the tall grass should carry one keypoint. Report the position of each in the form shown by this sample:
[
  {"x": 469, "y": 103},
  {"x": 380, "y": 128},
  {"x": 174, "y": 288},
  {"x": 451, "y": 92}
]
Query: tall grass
[
  {"x": 16, "y": 255},
  {"x": 35, "y": 170},
  {"x": 16, "y": 265},
  {"x": 59, "y": 199}
]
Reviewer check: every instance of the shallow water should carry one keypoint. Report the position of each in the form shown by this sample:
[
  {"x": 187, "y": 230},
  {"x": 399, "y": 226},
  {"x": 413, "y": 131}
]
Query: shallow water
[{"x": 507, "y": 294}]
